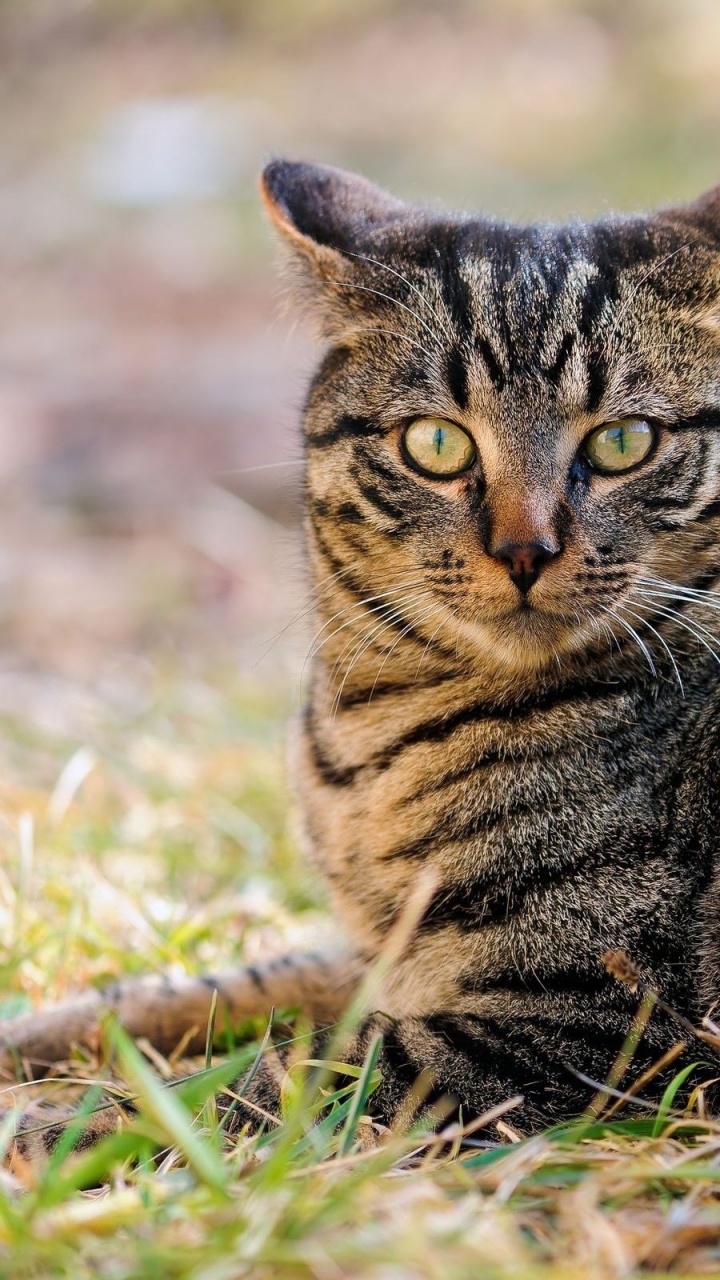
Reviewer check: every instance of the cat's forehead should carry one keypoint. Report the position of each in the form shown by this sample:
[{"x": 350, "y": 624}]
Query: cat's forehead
[
  {"x": 523, "y": 269},
  {"x": 580, "y": 314}
]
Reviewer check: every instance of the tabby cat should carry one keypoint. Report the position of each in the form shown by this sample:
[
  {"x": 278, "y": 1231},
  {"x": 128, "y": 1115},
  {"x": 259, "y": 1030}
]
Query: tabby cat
[{"x": 512, "y": 494}]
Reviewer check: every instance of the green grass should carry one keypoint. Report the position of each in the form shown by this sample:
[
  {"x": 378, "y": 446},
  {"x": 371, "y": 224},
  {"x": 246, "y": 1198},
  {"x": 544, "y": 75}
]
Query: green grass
[{"x": 160, "y": 840}]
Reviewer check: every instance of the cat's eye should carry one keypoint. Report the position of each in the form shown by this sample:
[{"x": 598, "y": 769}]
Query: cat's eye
[
  {"x": 619, "y": 446},
  {"x": 438, "y": 447}
]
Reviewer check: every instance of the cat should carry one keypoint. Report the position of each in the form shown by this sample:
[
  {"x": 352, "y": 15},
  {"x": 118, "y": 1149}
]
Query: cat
[{"x": 512, "y": 496}]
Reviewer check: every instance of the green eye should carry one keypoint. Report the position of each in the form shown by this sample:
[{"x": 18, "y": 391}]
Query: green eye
[
  {"x": 619, "y": 446},
  {"x": 438, "y": 447}
]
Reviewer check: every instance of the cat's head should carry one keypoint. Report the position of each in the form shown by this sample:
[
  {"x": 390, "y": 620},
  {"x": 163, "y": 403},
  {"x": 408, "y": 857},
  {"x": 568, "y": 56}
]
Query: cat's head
[{"x": 519, "y": 425}]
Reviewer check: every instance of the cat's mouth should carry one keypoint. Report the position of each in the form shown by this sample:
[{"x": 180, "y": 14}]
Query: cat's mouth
[{"x": 525, "y": 612}]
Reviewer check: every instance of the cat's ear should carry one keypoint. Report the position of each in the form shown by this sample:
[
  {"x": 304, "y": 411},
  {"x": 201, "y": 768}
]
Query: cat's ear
[
  {"x": 704, "y": 212},
  {"x": 330, "y": 220},
  {"x": 703, "y": 216},
  {"x": 321, "y": 210}
]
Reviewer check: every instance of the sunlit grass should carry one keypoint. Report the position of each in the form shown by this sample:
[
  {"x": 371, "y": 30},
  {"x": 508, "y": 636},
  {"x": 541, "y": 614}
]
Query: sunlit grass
[{"x": 161, "y": 841}]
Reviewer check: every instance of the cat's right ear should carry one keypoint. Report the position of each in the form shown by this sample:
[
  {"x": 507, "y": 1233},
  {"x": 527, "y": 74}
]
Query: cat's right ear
[{"x": 331, "y": 221}]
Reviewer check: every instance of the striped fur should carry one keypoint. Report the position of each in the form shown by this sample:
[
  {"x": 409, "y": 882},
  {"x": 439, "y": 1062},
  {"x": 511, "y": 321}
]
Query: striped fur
[
  {"x": 550, "y": 756},
  {"x": 531, "y": 756}
]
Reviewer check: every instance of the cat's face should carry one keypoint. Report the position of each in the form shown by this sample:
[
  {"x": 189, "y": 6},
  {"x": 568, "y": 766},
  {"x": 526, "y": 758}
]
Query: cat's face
[{"x": 515, "y": 433}]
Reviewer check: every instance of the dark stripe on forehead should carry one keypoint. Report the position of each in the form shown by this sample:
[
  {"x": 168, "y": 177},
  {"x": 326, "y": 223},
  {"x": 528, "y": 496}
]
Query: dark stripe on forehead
[
  {"x": 456, "y": 373},
  {"x": 505, "y": 262},
  {"x": 596, "y": 381},
  {"x": 554, "y": 371},
  {"x": 591, "y": 312},
  {"x": 495, "y": 373},
  {"x": 456, "y": 292}
]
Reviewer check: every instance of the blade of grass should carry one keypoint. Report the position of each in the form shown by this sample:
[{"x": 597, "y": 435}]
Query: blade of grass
[
  {"x": 48, "y": 1184},
  {"x": 368, "y": 1082},
  {"x": 669, "y": 1097},
  {"x": 244, "y": 1085},
  {"x": 210, "y": 1111},
  {"x": 166, "y": 1110},
  {"x": 365, "y": 1000}
]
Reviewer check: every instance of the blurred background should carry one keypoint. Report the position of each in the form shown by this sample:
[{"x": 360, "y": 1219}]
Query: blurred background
[{"x": 149, "y": 381}]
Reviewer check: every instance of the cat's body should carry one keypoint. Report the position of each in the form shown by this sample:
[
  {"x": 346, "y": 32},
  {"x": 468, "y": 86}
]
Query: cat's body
[{"x": 513, "y": 684}]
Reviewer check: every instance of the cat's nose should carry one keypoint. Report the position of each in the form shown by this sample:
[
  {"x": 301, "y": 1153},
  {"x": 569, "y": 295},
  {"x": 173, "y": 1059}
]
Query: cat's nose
[{"x": 525, "y": 561}]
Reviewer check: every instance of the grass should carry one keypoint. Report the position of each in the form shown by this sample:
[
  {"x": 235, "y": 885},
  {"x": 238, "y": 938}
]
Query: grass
[{"x": 159, "y": 839}]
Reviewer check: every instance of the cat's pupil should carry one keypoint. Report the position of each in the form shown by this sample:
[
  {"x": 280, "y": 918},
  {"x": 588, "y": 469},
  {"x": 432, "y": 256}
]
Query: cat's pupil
[{"x": 438, "y": 440}]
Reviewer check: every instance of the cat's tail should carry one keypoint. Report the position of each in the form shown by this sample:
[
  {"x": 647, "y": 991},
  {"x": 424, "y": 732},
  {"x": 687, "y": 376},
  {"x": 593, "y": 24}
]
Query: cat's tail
[{"x": 171, "y": 1012}]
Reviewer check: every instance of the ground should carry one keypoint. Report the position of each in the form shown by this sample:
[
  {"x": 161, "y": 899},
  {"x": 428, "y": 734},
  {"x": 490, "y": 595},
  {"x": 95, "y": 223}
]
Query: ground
[{"x": 159, "y": 840}]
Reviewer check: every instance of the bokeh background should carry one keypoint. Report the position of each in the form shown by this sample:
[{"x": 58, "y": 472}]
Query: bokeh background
[{"x": 149, "y": 381}]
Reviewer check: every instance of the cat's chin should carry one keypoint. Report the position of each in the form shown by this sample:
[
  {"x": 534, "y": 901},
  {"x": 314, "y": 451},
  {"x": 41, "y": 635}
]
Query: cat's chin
[{"x": 526, "y": 640}]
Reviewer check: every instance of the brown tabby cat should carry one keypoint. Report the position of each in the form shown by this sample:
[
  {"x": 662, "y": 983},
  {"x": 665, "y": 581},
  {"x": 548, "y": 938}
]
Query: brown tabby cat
[{"x": 513, "y": 519}]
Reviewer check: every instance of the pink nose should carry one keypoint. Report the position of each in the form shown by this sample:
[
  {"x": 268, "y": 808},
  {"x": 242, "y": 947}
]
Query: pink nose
[{"x": 525, "y": 561}]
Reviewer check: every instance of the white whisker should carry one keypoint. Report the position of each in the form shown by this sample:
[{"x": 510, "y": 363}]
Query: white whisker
[
  {"x": 363, "y": 257},
  {"x": 363, "y": 646},
  {"x": 662, "y": 640},
  {"x": 695, "y": 628},
  {"x": 631, "y": 630},
  {"x": 363, "y": 288},
  {"x": 431, "y": 608}
]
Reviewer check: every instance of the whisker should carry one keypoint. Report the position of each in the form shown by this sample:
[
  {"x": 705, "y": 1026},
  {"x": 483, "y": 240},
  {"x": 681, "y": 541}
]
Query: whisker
[
  {"x": 362, "y": 647},
  {"x": 359, "y": 611},
  {"x": 709, "y": 599},
  {"x": 426, "y": 650},
  {"x": 393, "y": 333},
  {"x": 662, "y": 640},
  {"x": 431, "y": 608},
  {"x": 388, "y": 615},
  {"x": 631, "y": 630},
  {"x": 367, "y": 639},
  {"x": 260, "y": 466},
  {"x": 363, "y": 288},
  {"x": 322, "y": 589},
  {"x": 426, "y": 301},
  {"x": 406, "y": 581},
  {"x": 694, "y": 628}
]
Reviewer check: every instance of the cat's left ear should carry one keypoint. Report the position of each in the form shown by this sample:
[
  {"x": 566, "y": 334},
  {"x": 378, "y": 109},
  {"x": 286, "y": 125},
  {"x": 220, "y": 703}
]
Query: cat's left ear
[
  {"x": 704, "y": 212},
  {"x": 319, "y": 209},
  {"x": 331, "y": 221}
]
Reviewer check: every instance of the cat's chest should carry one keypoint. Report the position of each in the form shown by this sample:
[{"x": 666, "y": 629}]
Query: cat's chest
[{"x": 486, "y": 795}]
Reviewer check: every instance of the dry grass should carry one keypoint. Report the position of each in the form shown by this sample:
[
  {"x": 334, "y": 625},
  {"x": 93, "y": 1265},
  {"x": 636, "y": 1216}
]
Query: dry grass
[{"x": 161, "y": 841}]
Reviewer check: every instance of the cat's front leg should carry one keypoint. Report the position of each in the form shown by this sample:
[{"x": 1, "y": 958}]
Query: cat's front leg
[{"x": 555, "y": 1053}]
